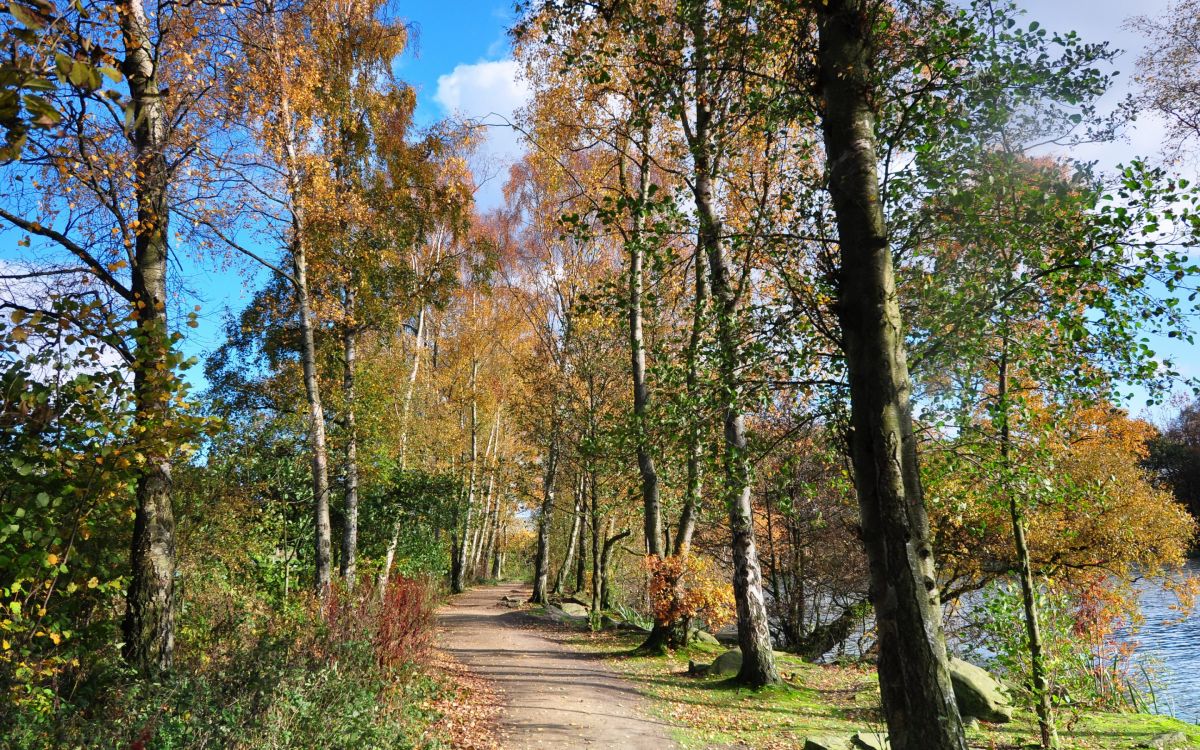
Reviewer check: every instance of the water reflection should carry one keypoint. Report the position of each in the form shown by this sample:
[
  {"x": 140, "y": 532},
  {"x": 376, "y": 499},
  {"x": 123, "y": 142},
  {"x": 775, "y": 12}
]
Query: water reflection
[{"x": 1174, "y": 650}]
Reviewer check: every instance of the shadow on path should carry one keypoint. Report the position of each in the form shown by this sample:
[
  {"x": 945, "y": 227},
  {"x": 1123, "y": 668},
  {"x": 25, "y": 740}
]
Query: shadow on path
[{"x": 553, "y": 697}]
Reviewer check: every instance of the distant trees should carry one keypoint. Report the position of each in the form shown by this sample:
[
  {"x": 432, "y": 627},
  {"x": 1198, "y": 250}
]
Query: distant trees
[
  {"x": 1169, "y": 69},
  {"x": 1174, "y": 457}
]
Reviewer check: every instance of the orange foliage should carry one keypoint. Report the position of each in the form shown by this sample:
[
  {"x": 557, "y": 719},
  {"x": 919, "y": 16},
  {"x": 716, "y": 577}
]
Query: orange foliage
[
  {"x": 1095, "y": 508},
  {"x": 689, "y": 587}
]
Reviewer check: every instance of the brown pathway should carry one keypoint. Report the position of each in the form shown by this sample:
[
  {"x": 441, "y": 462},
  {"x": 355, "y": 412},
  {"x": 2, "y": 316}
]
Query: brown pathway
[{"x": 553, "y": 697}]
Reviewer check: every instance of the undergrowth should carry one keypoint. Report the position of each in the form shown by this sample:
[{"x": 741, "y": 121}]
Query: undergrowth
[{"x": 352, "y": 677}]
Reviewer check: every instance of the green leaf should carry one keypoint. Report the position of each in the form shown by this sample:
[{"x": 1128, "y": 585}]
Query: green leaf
[
  {"x": 44, "y": 113},
  {"x": 25, "y": 16}
]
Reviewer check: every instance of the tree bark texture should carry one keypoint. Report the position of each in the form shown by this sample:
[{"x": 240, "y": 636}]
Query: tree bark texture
[
  {"x": 149, "y": 624},
  {"x": 349, "y": 562},
  {"x": 918, "y": 700},
  {"x": 758, "y": 660},
  {"x": 541, "y": 565}
]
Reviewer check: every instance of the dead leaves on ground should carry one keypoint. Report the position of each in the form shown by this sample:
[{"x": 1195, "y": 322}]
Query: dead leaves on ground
[{"x": 469, "y": 707}]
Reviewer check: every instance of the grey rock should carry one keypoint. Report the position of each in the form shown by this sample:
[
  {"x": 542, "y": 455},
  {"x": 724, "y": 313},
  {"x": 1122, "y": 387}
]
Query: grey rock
[
  {"x": 1167, "y": 741},
  {"x": 703, "y": 636},
  {"x": 827, "y": 743},
  {"x": 727, "y": 664},
  {"x": 574, "y": 609},
  {"x": 979, "y": 694},
  {"x": 871, "y": 741},
  {"x": 558, "y": 614}
]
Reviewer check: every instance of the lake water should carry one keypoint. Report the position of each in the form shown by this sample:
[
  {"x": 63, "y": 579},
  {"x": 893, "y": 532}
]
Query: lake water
[{"x": 1175, "y": 649}]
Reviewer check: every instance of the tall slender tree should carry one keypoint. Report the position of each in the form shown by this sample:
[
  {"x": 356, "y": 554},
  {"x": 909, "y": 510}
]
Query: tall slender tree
[{"x": 914, "y": 677}]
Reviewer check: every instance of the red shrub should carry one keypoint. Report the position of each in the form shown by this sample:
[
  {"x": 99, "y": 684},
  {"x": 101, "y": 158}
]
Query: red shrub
[
  {"x": 398, "y": 625},
  {"x": 404, "y": 625}
]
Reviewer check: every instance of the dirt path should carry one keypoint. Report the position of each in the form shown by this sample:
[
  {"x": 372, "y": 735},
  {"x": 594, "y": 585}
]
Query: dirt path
[{"x": 553, "y": 697}]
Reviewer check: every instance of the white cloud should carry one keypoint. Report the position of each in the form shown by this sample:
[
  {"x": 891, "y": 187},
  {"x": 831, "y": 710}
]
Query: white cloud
[{"x": 489, "y": 92}]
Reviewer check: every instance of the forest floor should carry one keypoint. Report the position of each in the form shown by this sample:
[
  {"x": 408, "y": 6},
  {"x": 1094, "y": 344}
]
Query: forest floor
[
  {"x": 829, "y": 701},
  {"x": 562, "y": 686},
  {"x": 559, "y": 685},
  {"x": 549, "y": 695}
]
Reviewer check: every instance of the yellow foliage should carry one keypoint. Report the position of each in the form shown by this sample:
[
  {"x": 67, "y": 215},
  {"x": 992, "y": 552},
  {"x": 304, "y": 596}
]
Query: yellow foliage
[
  {"x": 1092, "y": 507},
  {"x": 689, "y": 587}
]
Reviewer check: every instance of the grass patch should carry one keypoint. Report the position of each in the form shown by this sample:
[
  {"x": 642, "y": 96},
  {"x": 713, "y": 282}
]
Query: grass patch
[{"x": 822, "y": 700}]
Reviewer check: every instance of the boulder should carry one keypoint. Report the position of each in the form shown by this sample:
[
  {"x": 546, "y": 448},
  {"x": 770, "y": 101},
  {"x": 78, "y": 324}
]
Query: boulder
[
  {"x": 703, "y": 636},
  {"x": 558, "y": 614},
  {"x": 827, "y": 743},
  {"x": 1167, "y": 741},
  {"x": 871, "y": 741},
  {"x": 978, "y": 694},
  {"x": 574, "y": 609},
  {"x": 727, "y": 664}
]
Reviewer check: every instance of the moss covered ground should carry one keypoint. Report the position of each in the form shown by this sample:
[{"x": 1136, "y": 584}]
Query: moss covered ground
[{"x": 713, "y": 713}]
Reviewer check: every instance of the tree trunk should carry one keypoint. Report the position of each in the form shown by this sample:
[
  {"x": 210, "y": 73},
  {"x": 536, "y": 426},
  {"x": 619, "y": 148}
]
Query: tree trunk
[
  {"x": 597, "y": 545},
  {"x": 541, "y": 566},
  {"x": 498, "y": 554},
  {"x": 652, "y": 508},
  {"x": 918, "y": 700},
  {"x": 481, "y": 533},
  {"x": 149, "y": 624},
  {"x": 605, "y": 558},
  {"x": 754, "y": 637},
  {"x": 316, "y": 424},
  {"x": 494, "y": 530},
  {"x": 663, "y": 634},
  {"x": 316, "y": 414},
  {"x": 459, "y": 569},
  {"x": 695, "y": 458},
  {"x": 349, "y": 567},
  {"x": 571, "y": 540},
  {"x": 822, "y": 639},
  {"x": 651, "y": 503},
  {"x": 1037, "y": 657},
  {"x": 581, "y": 557},
  {"x": 389, "y": 557}
]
